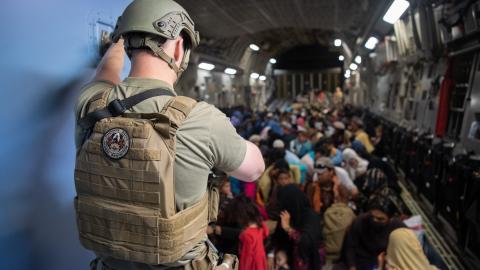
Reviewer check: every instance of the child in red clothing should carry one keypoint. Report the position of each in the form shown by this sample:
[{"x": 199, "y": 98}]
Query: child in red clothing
[{"x": 251, "y": 253}]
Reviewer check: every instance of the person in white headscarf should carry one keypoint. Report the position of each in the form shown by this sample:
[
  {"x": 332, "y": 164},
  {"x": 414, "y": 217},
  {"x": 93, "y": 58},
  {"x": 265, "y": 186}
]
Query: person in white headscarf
[
  {"x": 354, "y": 164},
  {"x": 404, "y": 252}
]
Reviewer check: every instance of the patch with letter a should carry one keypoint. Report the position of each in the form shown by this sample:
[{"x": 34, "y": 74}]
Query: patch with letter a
[{"x": 115, "y": 143}]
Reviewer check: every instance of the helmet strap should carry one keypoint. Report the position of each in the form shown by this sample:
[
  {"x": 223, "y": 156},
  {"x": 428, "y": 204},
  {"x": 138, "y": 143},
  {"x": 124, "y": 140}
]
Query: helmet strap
[
  {"x": 136, "y": 42},
  {"x": 159, "y": 52}
]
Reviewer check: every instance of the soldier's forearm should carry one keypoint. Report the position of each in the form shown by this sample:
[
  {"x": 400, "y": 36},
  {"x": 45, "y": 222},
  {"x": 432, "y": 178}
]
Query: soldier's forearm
[{"x": 111, "y": 65}]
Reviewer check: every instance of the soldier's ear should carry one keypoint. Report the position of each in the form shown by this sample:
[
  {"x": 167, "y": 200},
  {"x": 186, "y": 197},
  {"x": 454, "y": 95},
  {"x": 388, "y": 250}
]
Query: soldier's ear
[{"x": 179, "y": 51}]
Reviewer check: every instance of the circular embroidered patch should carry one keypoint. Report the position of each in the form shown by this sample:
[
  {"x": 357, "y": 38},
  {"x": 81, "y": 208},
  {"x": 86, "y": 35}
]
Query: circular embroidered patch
[{"x": 115, "y": 143}]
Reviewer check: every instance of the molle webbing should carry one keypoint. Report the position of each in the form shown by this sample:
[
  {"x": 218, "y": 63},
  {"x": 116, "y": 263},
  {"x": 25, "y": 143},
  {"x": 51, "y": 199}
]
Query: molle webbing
[
  {"x": 126, "y": 207},
  {"x": 139, "y": 236}
]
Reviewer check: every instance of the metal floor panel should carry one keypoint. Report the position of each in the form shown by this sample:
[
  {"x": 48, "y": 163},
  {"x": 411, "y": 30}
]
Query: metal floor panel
[{"x": 435, "y": 238}]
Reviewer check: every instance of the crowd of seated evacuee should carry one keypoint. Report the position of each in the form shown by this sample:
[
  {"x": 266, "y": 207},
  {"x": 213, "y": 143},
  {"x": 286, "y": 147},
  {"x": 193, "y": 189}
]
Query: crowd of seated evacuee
[{"x": 328, "y": 199}]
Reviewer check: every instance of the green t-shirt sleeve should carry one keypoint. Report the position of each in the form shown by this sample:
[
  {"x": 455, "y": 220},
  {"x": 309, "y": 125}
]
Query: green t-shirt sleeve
[
  {"x": 228, "y": 148},
  {"x": 87, "y": 92}
]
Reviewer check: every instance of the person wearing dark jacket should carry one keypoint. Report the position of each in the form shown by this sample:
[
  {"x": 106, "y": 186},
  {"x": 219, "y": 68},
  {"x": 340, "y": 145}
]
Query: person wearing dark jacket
[
  {"x": 368, "y": 234},
  {"x": 299, "y": 230}
]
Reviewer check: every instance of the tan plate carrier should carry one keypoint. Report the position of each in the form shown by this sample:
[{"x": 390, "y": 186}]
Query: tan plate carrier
[{"x": 126, "y": 208}]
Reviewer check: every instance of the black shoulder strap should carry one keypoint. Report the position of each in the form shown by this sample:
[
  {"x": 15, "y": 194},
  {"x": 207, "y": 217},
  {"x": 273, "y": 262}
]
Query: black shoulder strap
[{"x": 118, "y": 107}]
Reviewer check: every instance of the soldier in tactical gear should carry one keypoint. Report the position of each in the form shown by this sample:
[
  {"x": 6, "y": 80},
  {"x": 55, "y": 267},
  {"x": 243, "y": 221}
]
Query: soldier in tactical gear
[{"x": 144, "y": 154}]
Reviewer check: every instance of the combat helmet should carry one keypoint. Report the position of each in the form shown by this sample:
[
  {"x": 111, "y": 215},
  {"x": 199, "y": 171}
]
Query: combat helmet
[{"x": 146, "y": 23}]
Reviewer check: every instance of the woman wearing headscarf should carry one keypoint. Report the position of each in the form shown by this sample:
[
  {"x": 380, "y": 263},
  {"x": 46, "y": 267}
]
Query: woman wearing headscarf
[
  {"x": 298, "y": 231},
  {"x": 404, "y": 252},
  {"x": 354, "y": 164},
  {"x": 368, "y": 234}
]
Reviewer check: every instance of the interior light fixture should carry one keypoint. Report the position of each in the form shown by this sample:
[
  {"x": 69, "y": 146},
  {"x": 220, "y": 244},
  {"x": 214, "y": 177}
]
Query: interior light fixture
[
  {"x": 358, "y": 59},
  {"x": 395, "y": 11},
  {"x": 371, "y": 43},
  {"x": 254, "y": 75},
  {"x": 206, "y": 66},
  {"x": 341, "y": 58},
  {"x": 337, "y": 42},
  {"x": 230, "y": 71},
  {"x": 254, "y": 47},
  {"x": 353, "y": 66},
  {"x": 262, "y": 78},
  {"x": 273, "y": 60}
]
